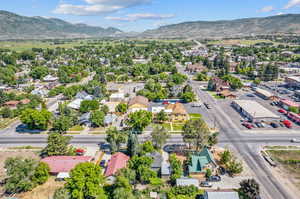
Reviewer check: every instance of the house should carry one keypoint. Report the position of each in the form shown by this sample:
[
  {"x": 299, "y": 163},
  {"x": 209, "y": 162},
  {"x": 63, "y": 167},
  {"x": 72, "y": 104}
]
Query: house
[
  {"x": 195, "y": 68},
  {"x": 84, "y": 96},
  {"x": 156, "y": 108},
  {"x": 59, "y": 164},
  {"x": 217, "y": 84},
  {"x": 117, "y": 97},
  {"x": 138, "y": 103},
  {"x": 25, "y": 101},
  {"x": 40, "y": 92},
  {"x": 178, "y": 112},
  {"x": 85, "y": 119},
  {"x": 12, "y": 104},
  {"x": 202, "y": 161},
  {"x": 118, "y": 161},
  {"x": 221, "y": 195},
  {"x": 184, "y": 181},
  {"x": 75, "y": 104},
  {"x": 227, "y": 94},
  {"x": 157, "y": 160},
  {"x": 110, "y": 119},
  {"x": 50, "y": 78}
]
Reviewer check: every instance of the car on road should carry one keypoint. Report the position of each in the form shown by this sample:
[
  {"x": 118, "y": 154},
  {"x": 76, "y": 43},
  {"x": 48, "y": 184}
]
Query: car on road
[
  {"x": 206, "y": 184},
  {"x": 294, "y": 140},
  {"x": 196, "y": 104},
  {"x": 214, "y": 179}
]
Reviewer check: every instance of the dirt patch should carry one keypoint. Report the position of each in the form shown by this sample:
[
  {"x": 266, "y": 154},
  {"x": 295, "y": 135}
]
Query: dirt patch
[
  {"x": 44, "y": 191},
  {"x": 288, "y": 171}
]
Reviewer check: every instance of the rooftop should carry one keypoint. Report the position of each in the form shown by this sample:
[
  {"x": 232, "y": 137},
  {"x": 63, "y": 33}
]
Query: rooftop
[{"x": 118, "y": 161}]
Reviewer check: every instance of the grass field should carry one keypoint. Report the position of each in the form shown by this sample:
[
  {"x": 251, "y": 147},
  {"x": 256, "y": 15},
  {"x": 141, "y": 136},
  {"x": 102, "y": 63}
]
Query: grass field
[
  {"x": 76, "y": 128},
  {"x": 239, "y": 42}
]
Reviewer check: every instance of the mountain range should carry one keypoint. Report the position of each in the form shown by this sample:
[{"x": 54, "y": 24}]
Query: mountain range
[{"x": 13, "y": 26}]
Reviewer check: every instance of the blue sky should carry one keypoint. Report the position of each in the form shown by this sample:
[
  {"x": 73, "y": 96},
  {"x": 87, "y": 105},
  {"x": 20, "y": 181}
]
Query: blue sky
[{"x": 138, "y": 15}]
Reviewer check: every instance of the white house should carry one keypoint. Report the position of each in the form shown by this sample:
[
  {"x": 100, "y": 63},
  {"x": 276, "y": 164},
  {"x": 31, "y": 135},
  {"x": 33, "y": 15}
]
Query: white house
[{"x": 75, "y": 104}]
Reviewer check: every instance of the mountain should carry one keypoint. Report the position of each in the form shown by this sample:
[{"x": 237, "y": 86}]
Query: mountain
[
  {"x": 289, "y": 23},
  {"x": 13, "y": 26}
]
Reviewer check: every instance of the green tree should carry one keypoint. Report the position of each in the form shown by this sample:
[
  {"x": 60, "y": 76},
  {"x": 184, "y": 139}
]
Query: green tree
[
  {"x": 208, "y": 173},
  {"x": 97, "y": 118},
  {"x": 234, "y": 167},
  {"x": 144, "y": 174},
  {"x": 226, "y": 157},
  {"x": 57, "y": 144},
  {"x": 86, "y": 181},
  {"x": 122, "y": 188},
  {"x": 115, "y": 138},
  {"x": 188, "y": 97},
  {"x": 62, "y": 193},
  {"x": 159, "y": 136},
  {"x": 7, "y": 112},
  {"x": 41, "y": 173},
  {"x": 132, "y": 144},
  {"x": 39, "y": 72},
  {"x": 213, "y": 139},
  {"x": 146, "y": 147},
  {"x": 250, "y": 189},
  {"x": 121, "y": 108},
  {"x": 176, "y": 168},
  {"x": 161, "y": 116},
  {"x": 196, "y": 133},
  {"x": 201, "y": 77},
  {"x": 139, "y": 120},
  {"x": 88, "y": 105},
  {"x": 62, "y": 124},
  {"x": 36, "y": 119}
]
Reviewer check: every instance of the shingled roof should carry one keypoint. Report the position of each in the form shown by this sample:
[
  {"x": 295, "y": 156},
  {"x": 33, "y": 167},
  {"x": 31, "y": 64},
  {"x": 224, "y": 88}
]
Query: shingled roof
[
  {"x": 118, "y": 161},
  {"x": 139, "y": 100}
]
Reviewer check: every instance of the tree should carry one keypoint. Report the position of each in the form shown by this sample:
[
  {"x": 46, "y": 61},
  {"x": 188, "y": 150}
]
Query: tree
[
  {"x": 145, "y": 173},
  {"x": 128, "y": 174},
  {"x": 139, "y": 120},
  {"x": 234, "y": 167},
  {"x": 41, "y": 173},
  {"x": 115, "y": 138},
  {"x": 86, "y": 181},
  {"x": 188, "y": 97},
  {"x": 226, "y": 157},
  {"x": 39, "y": 72},
  {"x": 132, "y": 145},
  {"x": 88, "y": 105},
  {"x": 161, "y": 116},
  {"x": 176, "y": 168},
  {"x": 57, "y": 144},
  {"x": 121, "y": 108},
  {"x": 146, "y": 147},
  {"x": 122, "y": 188},
  {"x": 213, "y": 139},
  {"x": 36, "y": 119},
  {"x": 159, "y": 136},
  {"x": 62, "y": 124},
  {"x": 250, "y": 189},
  {"x": 208, "y": 173},
  {"x": 104, "y": 108},
  {"x": 62, "y": 193},
  {"x": 97, "y": 118},
  {"x": 201, "y": 77},
  {"x": 196, "y": 133},
  {"x": 6, "y": 112}
]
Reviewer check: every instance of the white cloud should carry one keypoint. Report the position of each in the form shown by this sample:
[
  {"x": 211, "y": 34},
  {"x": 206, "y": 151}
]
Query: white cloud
[
  {"x": 280, "y": 13},
  {"x": 267, "y": 9},
  {"x": 97, "y": 7},
  {"x": 141, "y": 16},
  {"x": 292, "y": 3}
]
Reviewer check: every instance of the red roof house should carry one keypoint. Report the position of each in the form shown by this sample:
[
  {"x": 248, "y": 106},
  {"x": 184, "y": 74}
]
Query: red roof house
[
  {"x": 118, "y": 161},
  {"x": 60, "y": 164}
]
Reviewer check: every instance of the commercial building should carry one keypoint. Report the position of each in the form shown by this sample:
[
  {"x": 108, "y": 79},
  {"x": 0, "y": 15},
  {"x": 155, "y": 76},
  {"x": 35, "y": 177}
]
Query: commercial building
[
  {"x": 253, "y": 110},
  {"x": 293, "y": 81},
  {"x": 265, "y": 94}
]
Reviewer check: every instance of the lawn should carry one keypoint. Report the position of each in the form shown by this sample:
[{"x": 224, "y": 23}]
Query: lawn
[
  {"x": 240, "y": 42},
  {"x": 214, "y": 94},
  {"x": 167, "y": 126},
  {"x": 177, "y": 127},
  {"x": 76, "y": 128},
  {"x": 195, "y": 115},
  {"x": 290, "y": 162}
]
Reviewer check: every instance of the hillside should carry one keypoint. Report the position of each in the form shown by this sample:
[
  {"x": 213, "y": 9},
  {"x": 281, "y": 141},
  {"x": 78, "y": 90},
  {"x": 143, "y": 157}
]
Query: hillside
[
  {"x": 289, "y": 23},
  {"x": 14, "y": 26}
]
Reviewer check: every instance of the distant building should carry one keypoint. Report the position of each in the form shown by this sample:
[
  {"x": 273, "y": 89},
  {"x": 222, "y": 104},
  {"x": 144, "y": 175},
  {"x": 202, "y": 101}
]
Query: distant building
[
  {"x": 195, "y": 68},
  {"x": 293, "y": 81},
  {"x": 218, "y": 85},
  {"x": 138, "y": 103},
  {"x": 177, "y": 112}
]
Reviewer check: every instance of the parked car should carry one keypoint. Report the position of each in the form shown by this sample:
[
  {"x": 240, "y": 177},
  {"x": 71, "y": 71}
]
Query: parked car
[
  {"x": 102, "y": 163},
  {"x": 274, "y": 125},
  {"x": 282, "y": 111},
  {"x": 248, "y": 125},
  {"x": 259, "y": 124},
  {"x": 214, "y": 178},
  {"x": 287, "y": 123},
  {"x": 250, "y": 95},
  {"x": 206, "y": 184},
  {"x": 222, "y": 170}
]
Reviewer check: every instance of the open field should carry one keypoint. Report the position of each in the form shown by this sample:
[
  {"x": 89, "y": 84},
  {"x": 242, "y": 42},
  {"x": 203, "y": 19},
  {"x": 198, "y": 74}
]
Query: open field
[
  {"x": 240, "y": 42},
  {"x": 289, "y": 161}
]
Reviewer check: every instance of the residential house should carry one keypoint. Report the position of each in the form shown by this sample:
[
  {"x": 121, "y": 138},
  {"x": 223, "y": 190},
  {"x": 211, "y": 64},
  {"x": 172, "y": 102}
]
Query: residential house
[
  {"x": 157, "y": 160},
  {"x": 50, "y": 78},
  {"x": 178, "y": 112},
  {"x": 138, "y": 103},
  {"x": 118, "y": 161},
  {"x": 85, "y": 119},
  {"x": 217, "y": 84},
  {"x": 195, "y": 68},
  {"x": 12, "y": 104},
  {"x": 201, "y": 161},
  {"x": 184, "y": 181},
  {"x": 117, "y": 97},
  {"x": 40, "y": 92},
  {"x": 221, "y": 195},
  {"x": 109, "y": 119},
  {"x": 84, "y": 96},
  {"x": 156, "y": 108},
  {"x": 75, "y": 104},
  {"x": 227, "y": 94},
  {"x": 59, "y": 164}
]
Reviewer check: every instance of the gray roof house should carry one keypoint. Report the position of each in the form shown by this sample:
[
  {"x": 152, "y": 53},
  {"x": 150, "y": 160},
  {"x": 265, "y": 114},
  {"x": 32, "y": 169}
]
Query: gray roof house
[
  {"x": 221, "y": 194},
  {"x": 110, "y": 119},
  {"x": 84, "y": 96},
  {"x": 157, "y": 160},
  {"x": 85, "y": 119}
]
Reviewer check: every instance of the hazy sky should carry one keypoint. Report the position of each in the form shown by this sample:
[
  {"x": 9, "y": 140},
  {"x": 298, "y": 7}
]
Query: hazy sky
[{"x": 138, "y": 15}]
